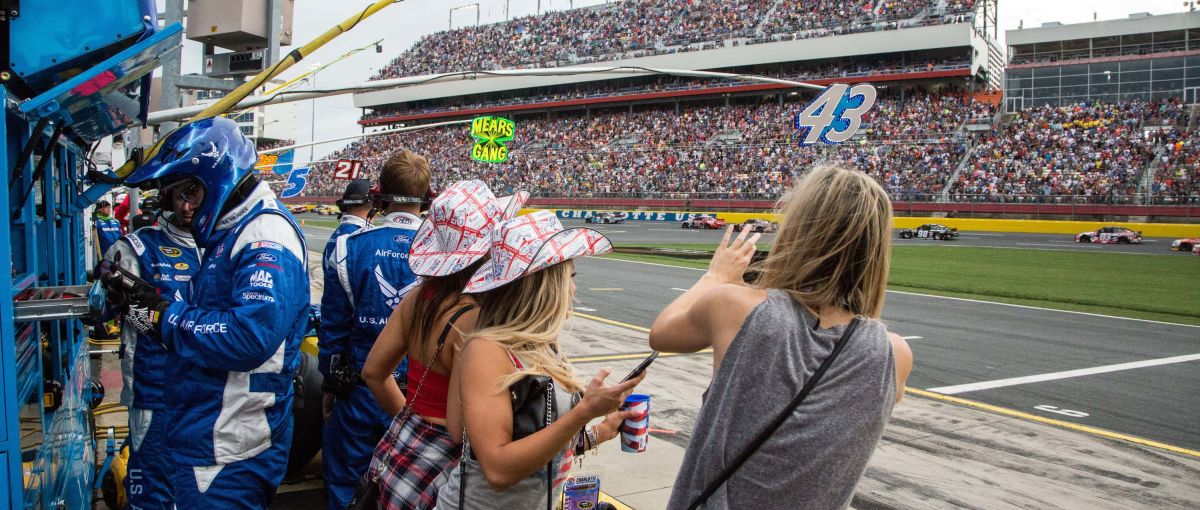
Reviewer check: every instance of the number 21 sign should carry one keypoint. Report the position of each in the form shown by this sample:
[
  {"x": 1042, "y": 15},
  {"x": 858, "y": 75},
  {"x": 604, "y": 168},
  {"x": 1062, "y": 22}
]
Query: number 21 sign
[
  {"x": 837, "y": 114},
  {"x": 348, "y": 169}
]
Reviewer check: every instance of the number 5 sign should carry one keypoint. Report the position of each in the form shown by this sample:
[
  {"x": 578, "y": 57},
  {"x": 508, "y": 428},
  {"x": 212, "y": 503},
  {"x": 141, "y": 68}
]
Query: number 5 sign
[
  {"x": 836, "y": 115},
  {"x": 347, "y": 169}
]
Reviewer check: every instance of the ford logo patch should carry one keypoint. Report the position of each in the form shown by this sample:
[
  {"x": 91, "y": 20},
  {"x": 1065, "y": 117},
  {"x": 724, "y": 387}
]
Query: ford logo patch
[{"x": 266, "y": 257}]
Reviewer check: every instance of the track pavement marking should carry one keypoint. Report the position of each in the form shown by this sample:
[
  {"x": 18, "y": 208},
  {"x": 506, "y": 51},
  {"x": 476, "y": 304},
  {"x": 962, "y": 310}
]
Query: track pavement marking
[
  {"x": 634, "y": 355},
  {"x": 1041, "y": 308},
  {"x": 911, "y": 337},
  {"x": 1067, "y": 374},
  {"x": 614, "y": 323},
  {"x": 1057, "y": 423}
]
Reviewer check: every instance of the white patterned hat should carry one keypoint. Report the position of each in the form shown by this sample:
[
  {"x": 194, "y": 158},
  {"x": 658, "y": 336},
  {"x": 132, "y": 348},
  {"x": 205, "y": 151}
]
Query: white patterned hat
[
  {"x": 530, "y": 243},
  {"x": 455, "y": 234}
]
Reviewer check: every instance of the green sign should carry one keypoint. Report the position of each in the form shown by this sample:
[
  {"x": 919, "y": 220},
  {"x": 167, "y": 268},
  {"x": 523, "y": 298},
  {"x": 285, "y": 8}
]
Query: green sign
[{"x": 490, "y": 135}]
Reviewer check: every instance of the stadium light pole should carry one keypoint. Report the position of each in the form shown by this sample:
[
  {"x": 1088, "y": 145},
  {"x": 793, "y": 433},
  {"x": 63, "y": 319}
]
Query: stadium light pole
[
  {"x": 312, "y": 119},
  {"x": 450, "y": 17}
]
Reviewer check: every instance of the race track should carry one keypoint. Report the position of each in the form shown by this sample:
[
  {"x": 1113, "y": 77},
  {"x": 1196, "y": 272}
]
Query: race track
[
  {"x": 646, "y": 232},
  {"x": 1129, "y": 376}
]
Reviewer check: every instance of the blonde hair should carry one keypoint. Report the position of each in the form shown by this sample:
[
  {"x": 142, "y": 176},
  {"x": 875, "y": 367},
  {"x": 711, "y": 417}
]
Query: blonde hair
[
  {"x": 526, "y": 317},
  {"x": 834, "y": 244}
]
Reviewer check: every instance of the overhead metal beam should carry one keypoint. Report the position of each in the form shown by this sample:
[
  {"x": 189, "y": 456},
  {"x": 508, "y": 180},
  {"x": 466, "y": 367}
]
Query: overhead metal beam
[{"x": 193, "y": 82}]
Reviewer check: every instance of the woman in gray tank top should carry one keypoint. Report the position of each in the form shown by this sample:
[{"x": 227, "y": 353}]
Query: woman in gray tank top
[{"x": 829, "y": 265}]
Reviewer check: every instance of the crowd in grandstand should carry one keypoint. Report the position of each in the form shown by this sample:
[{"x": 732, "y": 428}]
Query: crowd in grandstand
[
  {"x": 910, "y": 145},
  {"x": 915, "y": 147},
  {"x": 1090, "y": 150},
  {"x": 643, "y": 27},
  {"x": 1177, "y": 180}
]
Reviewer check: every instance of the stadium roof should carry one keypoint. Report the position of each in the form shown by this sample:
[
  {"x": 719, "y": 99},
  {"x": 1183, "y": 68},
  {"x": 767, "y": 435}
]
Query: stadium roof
[
  {"x": 868, "y": 43},
  {"x": 1135, "y": 24}
]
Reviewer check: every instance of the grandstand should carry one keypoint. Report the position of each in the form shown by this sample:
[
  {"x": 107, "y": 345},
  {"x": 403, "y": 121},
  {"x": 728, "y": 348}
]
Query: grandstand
[{"x": 937, "y": 135}]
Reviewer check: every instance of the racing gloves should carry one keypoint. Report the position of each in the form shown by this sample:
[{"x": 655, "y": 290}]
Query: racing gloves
[
  {"x": 133, "y": 298},
  {"x": 145, "y": 314}
]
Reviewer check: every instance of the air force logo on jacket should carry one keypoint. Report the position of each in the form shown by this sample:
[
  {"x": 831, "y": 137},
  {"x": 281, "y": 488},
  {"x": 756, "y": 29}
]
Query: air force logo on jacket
[{"x": 373, "y": 273}]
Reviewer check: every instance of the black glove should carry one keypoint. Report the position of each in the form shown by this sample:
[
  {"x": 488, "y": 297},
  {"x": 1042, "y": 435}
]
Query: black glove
[
  {"x": 121, "y": 286},
  {"x": 145, "y": 313}
]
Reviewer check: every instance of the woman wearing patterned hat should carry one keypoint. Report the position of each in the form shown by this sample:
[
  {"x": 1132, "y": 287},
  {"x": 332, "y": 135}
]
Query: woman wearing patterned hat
[
  {"x": 428, "y": 326},
  {"x": 525, "y": 291}
]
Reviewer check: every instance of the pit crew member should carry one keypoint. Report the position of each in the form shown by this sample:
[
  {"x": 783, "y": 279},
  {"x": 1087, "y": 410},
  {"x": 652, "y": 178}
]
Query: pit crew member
[
  {"x": 235, "y": 336},
  {"x": 373, "y": 275}
]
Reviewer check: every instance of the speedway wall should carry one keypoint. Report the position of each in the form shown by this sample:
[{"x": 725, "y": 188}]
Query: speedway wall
[{"x": 965, "y": 224}]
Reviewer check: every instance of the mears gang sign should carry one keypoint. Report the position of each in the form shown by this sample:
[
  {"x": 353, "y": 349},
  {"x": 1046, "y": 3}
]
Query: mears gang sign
[
  {"x": 491, "y": 134},
  {"x": 836, "y": 115}
]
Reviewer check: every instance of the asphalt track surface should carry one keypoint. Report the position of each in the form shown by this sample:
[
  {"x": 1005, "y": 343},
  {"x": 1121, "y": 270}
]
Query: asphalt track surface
[
  {"x": 647, "y": 232},
  {"x": 1129, "y": 376}
]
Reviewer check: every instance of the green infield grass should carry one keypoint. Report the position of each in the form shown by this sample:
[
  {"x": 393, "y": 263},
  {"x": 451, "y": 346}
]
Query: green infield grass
[
  {"x": 320, "y": 223},
  {"x": 1154, "y": 287}
]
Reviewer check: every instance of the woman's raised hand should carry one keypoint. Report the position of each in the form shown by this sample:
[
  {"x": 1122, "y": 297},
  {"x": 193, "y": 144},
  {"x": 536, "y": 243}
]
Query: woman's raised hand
[{"x": 732, "y": 258}]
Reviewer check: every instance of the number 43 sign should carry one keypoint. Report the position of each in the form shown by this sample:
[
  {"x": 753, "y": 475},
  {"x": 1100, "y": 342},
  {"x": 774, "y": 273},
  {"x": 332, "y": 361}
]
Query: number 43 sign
[{"x": 836, "y": 115}]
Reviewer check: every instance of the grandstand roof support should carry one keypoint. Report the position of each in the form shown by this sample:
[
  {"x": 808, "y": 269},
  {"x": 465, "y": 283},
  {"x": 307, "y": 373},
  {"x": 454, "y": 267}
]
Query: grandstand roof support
[
  {"x": 363, "y": 135},
  {"x": 287, "y": 96}
]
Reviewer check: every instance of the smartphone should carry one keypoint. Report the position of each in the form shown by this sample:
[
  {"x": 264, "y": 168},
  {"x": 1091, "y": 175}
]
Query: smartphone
[{"x": 641, "y": 367}]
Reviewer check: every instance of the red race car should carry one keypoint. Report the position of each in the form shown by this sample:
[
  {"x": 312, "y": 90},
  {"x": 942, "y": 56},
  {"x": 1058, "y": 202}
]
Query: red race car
[
  {"x": 704, "y": 221},
  {"x": 1185, "y": 245},
  {"x": 1110, "y": 235}
]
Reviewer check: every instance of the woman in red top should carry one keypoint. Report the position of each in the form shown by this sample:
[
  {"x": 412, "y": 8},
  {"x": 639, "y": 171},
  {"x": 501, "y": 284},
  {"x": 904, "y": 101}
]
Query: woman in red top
[{"x": 428, "y": 326}]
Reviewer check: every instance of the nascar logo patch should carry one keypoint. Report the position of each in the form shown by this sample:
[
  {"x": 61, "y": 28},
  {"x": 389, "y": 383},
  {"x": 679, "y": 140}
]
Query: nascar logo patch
[{"x": 270, "y": 245}]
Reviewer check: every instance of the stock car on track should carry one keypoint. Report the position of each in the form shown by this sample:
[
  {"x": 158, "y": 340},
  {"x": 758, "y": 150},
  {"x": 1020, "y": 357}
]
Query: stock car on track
[
  {"x": 1186, "y": 245},
  {"x": 605, "y": 217},
  {"x": 930, "y": 231},
  {"x": 300, "y": 209},
  {"x": 1110, "y": 235},
  {"x": 756, "y": 225},
  {"x": 706, "y": 221},
  {"x": 325, "y": 209}
]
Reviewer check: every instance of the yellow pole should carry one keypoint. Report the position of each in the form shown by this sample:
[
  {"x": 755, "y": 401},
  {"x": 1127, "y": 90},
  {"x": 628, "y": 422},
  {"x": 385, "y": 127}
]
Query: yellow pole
[
  {"x": 240, "y": 93},
  {"x": 288, "y": 61}
]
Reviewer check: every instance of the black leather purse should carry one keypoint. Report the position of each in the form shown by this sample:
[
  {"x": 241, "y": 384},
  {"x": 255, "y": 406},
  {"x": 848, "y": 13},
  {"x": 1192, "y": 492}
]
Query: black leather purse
[{"x": 534, "y": 407}]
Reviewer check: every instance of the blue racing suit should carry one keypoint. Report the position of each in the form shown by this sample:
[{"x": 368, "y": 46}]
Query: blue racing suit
[
  {"x": 334, "y": 301},
  {"x": 108, "y": 230},
  {"x": 235, "y": 344},
  {"x": 373, "y": 275},
  {"x": 166, "y": 257}
]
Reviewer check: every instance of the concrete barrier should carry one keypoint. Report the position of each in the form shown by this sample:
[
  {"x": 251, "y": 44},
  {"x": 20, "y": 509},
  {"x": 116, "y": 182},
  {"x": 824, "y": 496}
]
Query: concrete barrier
[{"x": 1178, "y": 230}]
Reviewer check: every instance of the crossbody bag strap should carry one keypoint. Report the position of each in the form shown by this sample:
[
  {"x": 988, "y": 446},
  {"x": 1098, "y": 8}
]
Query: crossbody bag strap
[
  {"x": 778, "y": 421},
  {"x": 551, "y": 411},
  {"x": 437, "y": 351},
  {"x": 446, "y": 330}
]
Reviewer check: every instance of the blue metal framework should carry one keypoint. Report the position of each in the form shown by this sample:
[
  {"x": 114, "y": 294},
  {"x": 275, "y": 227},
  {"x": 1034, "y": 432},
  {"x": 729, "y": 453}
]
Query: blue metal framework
[
  {"x": 46, "y": 457},
  {"x": 77, "y": 79}
]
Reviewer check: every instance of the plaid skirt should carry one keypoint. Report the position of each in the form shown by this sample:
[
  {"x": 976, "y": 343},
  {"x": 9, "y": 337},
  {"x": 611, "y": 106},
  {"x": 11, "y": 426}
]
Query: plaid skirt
[{"x": 413, "y": 459}]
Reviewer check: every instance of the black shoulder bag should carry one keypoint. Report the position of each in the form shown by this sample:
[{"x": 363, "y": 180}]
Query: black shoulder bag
[
  {"x": 534, "y": 407},
  {"x": 778, "y": 421}
]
